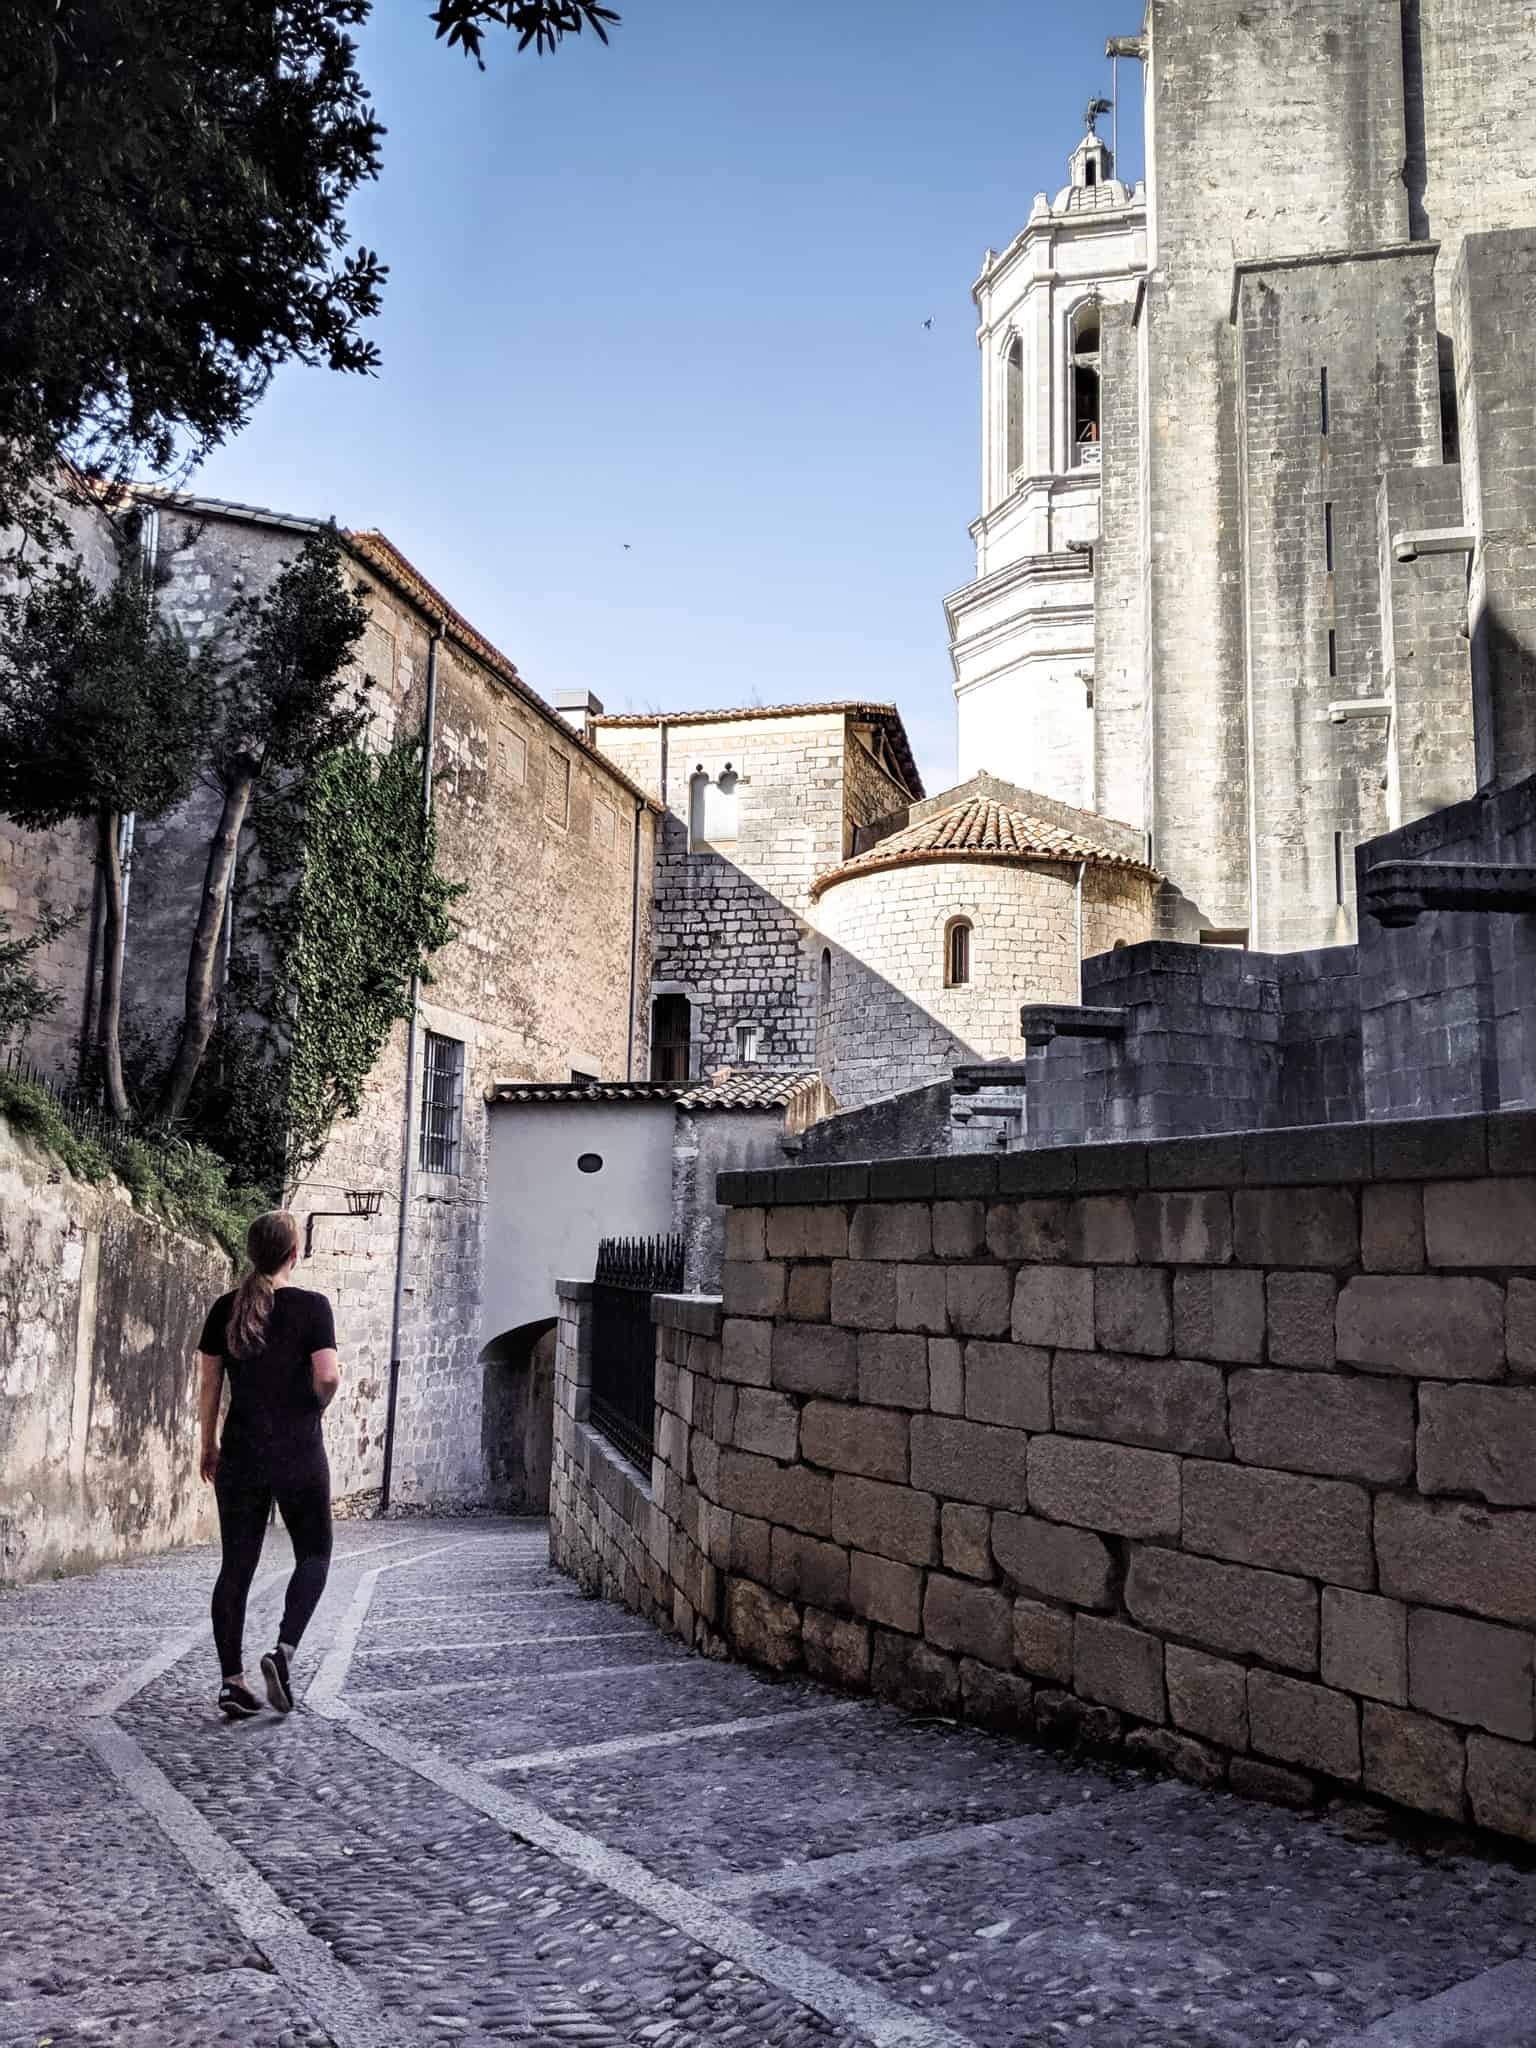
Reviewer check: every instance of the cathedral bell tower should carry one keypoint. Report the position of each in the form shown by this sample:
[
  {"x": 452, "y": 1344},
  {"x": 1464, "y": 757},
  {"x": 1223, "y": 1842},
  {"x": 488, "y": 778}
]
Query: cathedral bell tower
[{"x": 1022, "y": 634}]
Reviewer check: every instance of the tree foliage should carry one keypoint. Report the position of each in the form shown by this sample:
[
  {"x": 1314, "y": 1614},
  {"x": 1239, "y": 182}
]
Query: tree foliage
[
  {"x": 173, "y": 180},
  {"x": 543, "y": 23},
  {"x": 24, "y": 1000}
]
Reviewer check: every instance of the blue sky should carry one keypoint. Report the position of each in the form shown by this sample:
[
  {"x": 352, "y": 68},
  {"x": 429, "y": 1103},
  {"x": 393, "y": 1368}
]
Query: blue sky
[{"x": 670, "y": 293}]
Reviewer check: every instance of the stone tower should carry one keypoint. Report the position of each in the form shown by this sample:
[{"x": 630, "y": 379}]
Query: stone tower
[{"x": 1023, "y": 633}]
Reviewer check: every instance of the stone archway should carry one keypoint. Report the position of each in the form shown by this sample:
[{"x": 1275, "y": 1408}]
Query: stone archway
[{"x": 517, "y": 1413}]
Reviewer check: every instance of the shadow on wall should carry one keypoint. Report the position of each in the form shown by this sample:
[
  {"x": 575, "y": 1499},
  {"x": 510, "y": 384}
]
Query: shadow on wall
[{"x": 517, "y": 1417}]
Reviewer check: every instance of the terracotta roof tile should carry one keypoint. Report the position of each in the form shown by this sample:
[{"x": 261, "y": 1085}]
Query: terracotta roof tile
[
  {"x": 979, "y": 829},
  {"x": 742, "y": 1089}
]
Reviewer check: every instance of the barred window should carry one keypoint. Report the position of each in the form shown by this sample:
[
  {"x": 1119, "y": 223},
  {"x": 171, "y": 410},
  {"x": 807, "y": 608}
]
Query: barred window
[{"x": 442, "y": 1104}]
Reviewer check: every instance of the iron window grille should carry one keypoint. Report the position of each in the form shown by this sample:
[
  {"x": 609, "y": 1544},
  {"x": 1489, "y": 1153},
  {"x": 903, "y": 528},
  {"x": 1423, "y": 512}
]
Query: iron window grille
[
  {"x": 623, "y": 1388},
  {"x": 442, "y": 1104}
]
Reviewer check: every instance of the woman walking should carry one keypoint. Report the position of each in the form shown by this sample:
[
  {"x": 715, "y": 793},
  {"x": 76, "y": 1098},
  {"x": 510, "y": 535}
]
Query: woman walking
[{"x": 276, "y": 1345}]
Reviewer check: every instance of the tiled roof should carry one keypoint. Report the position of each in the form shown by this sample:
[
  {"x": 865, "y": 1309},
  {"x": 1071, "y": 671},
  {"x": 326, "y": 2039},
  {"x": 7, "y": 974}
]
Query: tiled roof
[
  {"x": 742, "y": 1089},
  {"x": 885, "y": 715},
  {"x": 979, "y": 830}
]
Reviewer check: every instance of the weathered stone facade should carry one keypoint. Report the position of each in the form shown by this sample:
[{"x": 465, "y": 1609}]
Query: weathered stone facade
[
  {"x": 550, "y": 951},
  {"x": 1209, "y": 1449},
  {"x": 100, "y": 1307}
]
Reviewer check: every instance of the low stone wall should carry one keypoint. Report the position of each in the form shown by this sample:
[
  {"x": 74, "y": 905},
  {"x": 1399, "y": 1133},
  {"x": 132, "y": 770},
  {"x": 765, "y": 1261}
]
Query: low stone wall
[
  {"x": 1221, "y": 1448},
  {"x": 100, "y": 1308}
]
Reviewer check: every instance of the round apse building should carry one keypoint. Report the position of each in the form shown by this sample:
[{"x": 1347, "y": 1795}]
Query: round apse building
[{"x": 933, "y": 938}]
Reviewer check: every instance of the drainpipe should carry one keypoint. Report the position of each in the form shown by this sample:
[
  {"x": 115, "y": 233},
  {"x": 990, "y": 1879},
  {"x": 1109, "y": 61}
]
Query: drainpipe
[
  {"x": 634, "y": 938},
  {"x": 408, "y": 1133},
  {"x": 1082, "y": 868}
]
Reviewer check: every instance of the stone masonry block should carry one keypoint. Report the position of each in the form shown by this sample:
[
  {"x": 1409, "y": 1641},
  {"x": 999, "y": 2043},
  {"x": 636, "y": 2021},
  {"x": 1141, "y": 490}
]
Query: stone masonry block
[
  {"x": 1417, "y": 1762},
  {"x": 1392, "y": 1229},
  {"x": 1208, "y": 1696},
  {"x": 1228, "y": 1607},
  {"x": 891, "y": 1521},
  {"x": 1165, "y": 1404},
  {"x": 1321, "y": 1422},
  {"x": 751, "y": 1551},
  {"x": 1159, "y": 1749},
  {"x": 964, "y": 1534},
  {"x": 776, "y": 1493},
  {"x": 765, "y": 1629},
  {"x": 745, "y": 1350},
  {"x": 973, "y": 1621},
  {"x": 804, "y": 1568},
  {"x": 767, "y": 1423},
  {"x": 850, "y": 1437},
  {"x": 995, "y": 1699},
  {"x": 814, "y": 1358},
  {"x": 1033, "y": 1232},
  {"x": 1480, "y": 1222},
  {"x": 1219, "y": 1315},
  {"x": 1101, "y": 1231},
  {"x": 1365, "y": 1645},
  {"x": 893, "y": 1370},
  {"x": 1184, "y": 1230},
  {"x": 1010, "y": 1384},
  {"x": 1428, "y": 1327},
  {"x": 1301, "y": 1310},
  {"x": 883, "y": 1590},
  {"x": 1132, "y": 1310},
  {"x": 1474, "y": 1672},
  {"x": 979, "y": 1300},
  {"x": 813, "y": 1233},
  {"x": 1275, "y": 1784},
  {"x": 752, "y": 1288},
  {"x": 836, "y": 1650},
  {"x": 1501, "y": 1785},
  {"x": 1318, "y": 1528},
  {"x": 809, "y": 1298},
  {"x": 1042, "y": 1641},
  {"x": 1051, "y": 1559},
  {"x": 1479, "y": 1440},
  {"x": 1315, "y": 1227},
  {"x": 1119, "y": 1667},
  {"x": 922, "y": 1299},
  {"x": 891, "y": 1230},
  {"x": 1520, "y": 1339},
  {"x": 959, "y": 1229},
  {"x": 1454, "y": 1554},
  {"x": 1054, "y": 1305},
  {"x": 913, "y": 1675},
  {"x": 744, "y": 1234},
  {"x": 1304, "y": 1724},
  {"x": 969, "y": 1461},
  {"x": 1108, "y": 1487},
  {"x": 946, "y": 1376},
  {"x": 863, "y": 1294}
]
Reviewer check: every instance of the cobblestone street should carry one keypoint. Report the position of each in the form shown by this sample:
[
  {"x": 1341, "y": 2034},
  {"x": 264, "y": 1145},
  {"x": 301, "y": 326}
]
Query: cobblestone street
[{"x": 506, "y": 1813}]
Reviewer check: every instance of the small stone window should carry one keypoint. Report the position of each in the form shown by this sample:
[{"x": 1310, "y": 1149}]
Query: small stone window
[
  {"x": 957, "y": 953},
  {"x": 671, "y": 1038},
  {"x": 442, "y": 1104},
  {"x": 1013, "y": 406},
  {"x": 826, "y": 978},
  {"x": 749, "y": 1044},
  {"x": 557, "y": 789},
  {"x": 511, "y": 755}
]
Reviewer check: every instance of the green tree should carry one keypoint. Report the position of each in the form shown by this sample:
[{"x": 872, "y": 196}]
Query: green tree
[
  {"x": 284, "y": 702},
  {"x": 24, "y": 1000},
  {"x": 104, "y": 709},
  {"x": 173, "y": 181},
  {"x": 544, "y": 23}
]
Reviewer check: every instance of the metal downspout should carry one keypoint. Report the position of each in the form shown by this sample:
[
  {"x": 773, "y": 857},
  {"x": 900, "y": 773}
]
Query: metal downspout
[
  {"x": 1082, "y": 869},
  {"x": 408, "y": 1132},
  {"x": 634, "y": 938}
]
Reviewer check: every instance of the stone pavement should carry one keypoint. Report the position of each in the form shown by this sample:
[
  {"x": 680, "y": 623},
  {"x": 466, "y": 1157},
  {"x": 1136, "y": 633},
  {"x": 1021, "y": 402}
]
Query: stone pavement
[{"x": 507, "y": 1813}]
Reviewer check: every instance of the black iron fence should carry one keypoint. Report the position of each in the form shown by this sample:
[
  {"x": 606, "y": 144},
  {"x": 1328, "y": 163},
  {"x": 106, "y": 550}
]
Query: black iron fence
[
  {"x": 629, "y": 1271},
  {"x": 81, "y": 1108}
]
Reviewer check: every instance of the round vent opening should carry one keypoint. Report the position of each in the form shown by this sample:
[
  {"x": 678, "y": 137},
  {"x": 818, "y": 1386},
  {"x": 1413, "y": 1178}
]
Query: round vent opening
[{"x": 590, "y": 1162}]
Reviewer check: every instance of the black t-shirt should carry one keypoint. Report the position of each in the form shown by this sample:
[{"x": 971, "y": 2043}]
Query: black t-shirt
[{"x": 273, "y": 1423}]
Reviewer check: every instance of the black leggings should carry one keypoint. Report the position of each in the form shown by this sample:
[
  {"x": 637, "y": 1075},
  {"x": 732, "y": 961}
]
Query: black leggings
[{"x": 244, "y": 1504}]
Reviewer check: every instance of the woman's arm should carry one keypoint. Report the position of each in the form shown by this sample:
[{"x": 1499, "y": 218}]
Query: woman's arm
[
  {"x": 209, "y": 1393},
  {"x": 325, "y": 1369}
]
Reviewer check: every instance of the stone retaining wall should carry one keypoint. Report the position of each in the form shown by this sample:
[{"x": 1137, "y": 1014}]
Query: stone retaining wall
[{"x": 1222, "y": 1448}]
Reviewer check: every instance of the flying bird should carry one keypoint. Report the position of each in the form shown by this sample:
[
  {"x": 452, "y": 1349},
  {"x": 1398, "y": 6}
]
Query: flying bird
[
  {"x": 929, "y": 321},
  {"x": 626, "y": 547}
]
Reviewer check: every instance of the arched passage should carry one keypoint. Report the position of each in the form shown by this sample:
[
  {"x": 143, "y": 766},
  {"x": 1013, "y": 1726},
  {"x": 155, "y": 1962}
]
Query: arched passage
[{"x": 517, "y": 1417}]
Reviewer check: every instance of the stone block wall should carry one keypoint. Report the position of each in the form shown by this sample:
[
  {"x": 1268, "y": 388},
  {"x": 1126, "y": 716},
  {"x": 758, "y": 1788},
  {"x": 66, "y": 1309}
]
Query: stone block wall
[
  {"x": 100, "y": 1308},
  {"x": 1221, "y": 1450}
]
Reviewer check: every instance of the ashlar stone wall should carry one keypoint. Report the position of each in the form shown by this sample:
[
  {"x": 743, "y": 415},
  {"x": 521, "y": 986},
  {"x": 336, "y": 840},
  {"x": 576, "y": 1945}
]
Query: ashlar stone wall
[{"x": 1222, "y": 1450}]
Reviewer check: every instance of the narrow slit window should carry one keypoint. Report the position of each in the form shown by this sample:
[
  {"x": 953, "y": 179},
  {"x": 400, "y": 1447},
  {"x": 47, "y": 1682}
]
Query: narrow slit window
[
  {"x": 1328, "y": 535},
  {"x": 957, "y": 954},
  {"x": 1323, "y": 399},
  {"x": 1338, "y": 867},
  {"x": 1013, "y": 406},
  {"x": 1333, "y": 652},
  {"x": 442, "y": 1104}
]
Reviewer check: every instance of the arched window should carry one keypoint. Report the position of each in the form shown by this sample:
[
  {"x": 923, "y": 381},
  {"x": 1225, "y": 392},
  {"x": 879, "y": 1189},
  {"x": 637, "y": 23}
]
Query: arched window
[
  {"x": 1085, "y": 387},
  {"x": 957, "y": 952},
  {"x": 826, "y": 978},
  {"x": 1013, "y": 405},
  {"x": 671, "y": 1034}
]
